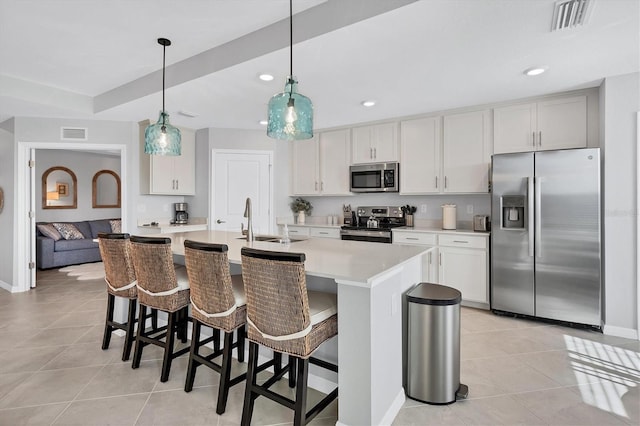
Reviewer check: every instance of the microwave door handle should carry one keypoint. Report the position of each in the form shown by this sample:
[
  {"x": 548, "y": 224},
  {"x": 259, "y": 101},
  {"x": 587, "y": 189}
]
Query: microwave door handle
[{"x": 530, "y": 207}]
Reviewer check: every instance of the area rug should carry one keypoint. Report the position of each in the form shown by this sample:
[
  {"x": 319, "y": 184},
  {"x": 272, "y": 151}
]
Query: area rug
[{"x": 86, "y": 271}]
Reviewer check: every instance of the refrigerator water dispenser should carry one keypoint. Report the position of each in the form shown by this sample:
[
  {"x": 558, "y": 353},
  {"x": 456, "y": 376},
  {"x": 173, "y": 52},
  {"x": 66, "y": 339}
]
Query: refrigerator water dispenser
[{"x": 513, "y": 211}]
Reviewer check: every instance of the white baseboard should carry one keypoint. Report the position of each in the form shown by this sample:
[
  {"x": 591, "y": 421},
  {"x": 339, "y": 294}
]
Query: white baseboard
[
  {"x": 628, "y": 333},
  {"x": 7, "y": 287},
  {"x": 394, "y": 409}
]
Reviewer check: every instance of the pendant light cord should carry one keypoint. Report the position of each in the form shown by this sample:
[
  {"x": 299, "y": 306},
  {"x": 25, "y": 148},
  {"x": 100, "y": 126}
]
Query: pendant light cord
[
  {"x": 290, "y": 48},
  {"x": 164, "y": 54}
]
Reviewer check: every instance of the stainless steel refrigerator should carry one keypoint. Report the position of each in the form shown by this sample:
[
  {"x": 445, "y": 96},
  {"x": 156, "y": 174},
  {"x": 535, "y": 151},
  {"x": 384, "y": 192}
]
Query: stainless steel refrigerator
[{"x": 545, "y": 235}]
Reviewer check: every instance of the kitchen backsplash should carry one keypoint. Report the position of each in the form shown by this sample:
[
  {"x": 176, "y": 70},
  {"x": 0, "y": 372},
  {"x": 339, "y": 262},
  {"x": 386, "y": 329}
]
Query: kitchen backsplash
[{"x": 467, "y": 205}]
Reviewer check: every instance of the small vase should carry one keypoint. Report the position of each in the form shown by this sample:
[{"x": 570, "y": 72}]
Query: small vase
[{"x": 301, "y": 217}]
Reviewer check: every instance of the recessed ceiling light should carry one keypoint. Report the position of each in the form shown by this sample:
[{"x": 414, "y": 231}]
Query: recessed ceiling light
[
  {"x": 368, "y": 103},
  {"x": 263, "y": 122},
  {"x": 265, "y": 77},
  {"x": 535, "y": 71}
]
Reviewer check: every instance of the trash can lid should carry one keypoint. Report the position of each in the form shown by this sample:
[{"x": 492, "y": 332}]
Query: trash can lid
[{"x": 434, "y": 294}]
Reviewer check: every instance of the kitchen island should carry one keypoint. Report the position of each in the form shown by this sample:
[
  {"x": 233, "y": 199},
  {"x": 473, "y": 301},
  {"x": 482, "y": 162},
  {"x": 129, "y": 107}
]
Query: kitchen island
[{"x": 370, "y": 280}]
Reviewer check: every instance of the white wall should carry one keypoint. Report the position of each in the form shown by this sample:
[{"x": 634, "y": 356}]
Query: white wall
[
  {"x": 84, "y": 165},
  {"x": 7, "y": 180},
  {"x": 620, "y": 99}
]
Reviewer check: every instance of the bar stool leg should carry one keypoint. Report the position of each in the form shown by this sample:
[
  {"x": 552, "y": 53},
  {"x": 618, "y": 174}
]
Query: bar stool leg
[
  {"x": 225, "y": 373},
  {"x": 137, "y": 352},
  {"x": 292, "y": 371},
  {"x": 241, "y": 337},
  {"x": 247, "y": 408},
  {"x": 129, "y": 336},
  {"x": 108, "y": 328},
  {"x": 299, "y": 418},
  {"x": 168, "y": 346},
  {"x": 193, "y": 364}
]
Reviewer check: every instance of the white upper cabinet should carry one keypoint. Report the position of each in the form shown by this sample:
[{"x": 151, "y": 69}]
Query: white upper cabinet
[
  {"x": 321, "y": 165},
  {"x": 305, "y": 166},
  {"x": 165, "y": 174},
  {"x": 552, "y": 124},
  {"x": 377, "y": 143},
  {"x": 420, "y": 156},
  {"x": 466, "y": 152}
]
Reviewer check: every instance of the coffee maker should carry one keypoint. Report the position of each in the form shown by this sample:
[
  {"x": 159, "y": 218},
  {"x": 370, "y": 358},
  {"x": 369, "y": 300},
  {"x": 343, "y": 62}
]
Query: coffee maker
[{"x": 181, "y": 216}]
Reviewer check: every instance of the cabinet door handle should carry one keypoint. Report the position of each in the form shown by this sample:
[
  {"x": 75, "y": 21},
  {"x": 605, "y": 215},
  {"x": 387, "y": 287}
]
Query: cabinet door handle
[
  {"x": 540, "y": 138},
  {"x": 316, "y": 185},
  {"x": 429, "y": 258},
  {"x": 533, "y": 139},
  {"x": 177, "y": 184},
  {"x": 460, "y": 241},
  {"x": 412, "y": 238},
  {"x": 436, "y": 182},
  {"x": 445, "y": 182},
  {"x": 323, "y": 233},
  {"x": 220, "y": 221},
  {"x": 440, "y": 259},
  {"x": 322, "y": 186},
  {"x": 375, "y": 153}
]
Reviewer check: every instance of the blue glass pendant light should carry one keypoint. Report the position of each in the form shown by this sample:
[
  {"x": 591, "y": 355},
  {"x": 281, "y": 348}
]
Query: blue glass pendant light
[
  {"x": 290, "y": 113},
  {"x": 162, "y": 138}
]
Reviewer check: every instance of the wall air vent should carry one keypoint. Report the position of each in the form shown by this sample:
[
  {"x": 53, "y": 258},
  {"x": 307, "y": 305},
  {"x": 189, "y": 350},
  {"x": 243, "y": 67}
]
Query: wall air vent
[
  {"x": 570, "y": 13},
  {"x": 73, "y": 133}
]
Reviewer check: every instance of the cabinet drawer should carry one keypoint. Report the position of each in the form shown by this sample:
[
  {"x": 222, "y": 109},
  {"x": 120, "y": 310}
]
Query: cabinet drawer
[
  {"x": 325, "y": 232},
  {"x": 420, "y": 238},
  {"x": 299, "y": 230},
  {"x": 468, "y": 241}
]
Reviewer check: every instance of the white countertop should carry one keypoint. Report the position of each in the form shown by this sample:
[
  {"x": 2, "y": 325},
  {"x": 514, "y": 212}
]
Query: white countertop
[{"x": 356, "y": 261}]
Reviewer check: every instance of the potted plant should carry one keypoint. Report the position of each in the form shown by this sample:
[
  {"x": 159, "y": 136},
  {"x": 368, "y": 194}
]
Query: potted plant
[{"x": 301, "y": 207}]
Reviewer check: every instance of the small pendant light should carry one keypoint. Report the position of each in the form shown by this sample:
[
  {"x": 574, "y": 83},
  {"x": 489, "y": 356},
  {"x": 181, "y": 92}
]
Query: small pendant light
[
  {"x": 290, "y": 113},
  {"x": 162, "y": 138}
]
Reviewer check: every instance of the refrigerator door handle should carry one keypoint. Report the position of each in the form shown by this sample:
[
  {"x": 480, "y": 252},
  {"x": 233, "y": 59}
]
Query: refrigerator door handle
[
  {"x": 530, "y": 230},
  {"x": 538, "y": 215}
]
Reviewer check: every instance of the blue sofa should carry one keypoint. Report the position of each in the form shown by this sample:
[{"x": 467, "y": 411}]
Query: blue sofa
[{"x": 54, "y": 254}]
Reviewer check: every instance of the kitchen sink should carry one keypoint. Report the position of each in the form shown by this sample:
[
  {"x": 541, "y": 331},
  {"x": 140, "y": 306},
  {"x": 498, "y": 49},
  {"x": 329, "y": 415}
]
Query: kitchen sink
[{"x": 271, "y": 238}]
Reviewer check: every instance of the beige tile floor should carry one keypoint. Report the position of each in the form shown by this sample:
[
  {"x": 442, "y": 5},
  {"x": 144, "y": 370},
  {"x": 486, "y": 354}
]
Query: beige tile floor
[{"x": 52, "y": 371}]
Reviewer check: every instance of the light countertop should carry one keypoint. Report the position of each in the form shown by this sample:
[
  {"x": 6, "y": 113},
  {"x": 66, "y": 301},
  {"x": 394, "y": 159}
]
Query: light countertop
[{"x": 355, "y": 261}]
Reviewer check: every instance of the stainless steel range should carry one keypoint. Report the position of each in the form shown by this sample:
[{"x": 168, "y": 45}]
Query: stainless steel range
[{"x": 373, "y": 223}]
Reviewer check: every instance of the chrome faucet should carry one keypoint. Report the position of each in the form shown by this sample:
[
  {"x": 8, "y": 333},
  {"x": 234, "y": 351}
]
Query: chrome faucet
[{"x": 247, "y": 214}]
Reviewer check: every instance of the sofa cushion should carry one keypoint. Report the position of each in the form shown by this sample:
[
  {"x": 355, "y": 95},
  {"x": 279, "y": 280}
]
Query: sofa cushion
[
  {"x": 116, "y": 225},
  {"x": 48, "y": 230},
  {"x": 69, "y": 245},
  {"x": 69, "y": 231},
  {"x": 101, "y": 225}
]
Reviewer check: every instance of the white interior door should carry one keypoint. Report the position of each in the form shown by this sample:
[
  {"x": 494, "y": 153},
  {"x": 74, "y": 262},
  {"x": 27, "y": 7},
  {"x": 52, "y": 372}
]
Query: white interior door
[
  {"x": 238, "y": 175},
  {"x": 32, "y": 218}
]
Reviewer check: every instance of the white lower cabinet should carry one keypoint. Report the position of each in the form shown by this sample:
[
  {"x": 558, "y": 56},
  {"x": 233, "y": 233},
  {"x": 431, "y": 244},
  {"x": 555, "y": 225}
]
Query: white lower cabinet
[
  {"x": 313, "y": 231},
  {"x": 459, "y": 260}
]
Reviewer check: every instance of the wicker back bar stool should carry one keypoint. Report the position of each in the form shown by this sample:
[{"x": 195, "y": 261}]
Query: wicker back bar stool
[
  {"x": 217, "y": 301},
  {"x": 284, "y": 316},
  {"x": 165, "y": 287},
  {"x": 120, "y": 277}
]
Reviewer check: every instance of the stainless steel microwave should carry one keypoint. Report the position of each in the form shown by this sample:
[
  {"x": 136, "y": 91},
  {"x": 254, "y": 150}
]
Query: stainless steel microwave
[{"x": 376, "y": 177}]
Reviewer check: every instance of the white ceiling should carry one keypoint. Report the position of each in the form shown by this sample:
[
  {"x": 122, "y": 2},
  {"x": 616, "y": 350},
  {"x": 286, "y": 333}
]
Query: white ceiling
[{"x": 100, "y": 59}]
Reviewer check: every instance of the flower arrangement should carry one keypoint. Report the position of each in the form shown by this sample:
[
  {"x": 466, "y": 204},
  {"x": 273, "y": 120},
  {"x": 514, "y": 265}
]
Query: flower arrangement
[{"x": 301, "y": 205}]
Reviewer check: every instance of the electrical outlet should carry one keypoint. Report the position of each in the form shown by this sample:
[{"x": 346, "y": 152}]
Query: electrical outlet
[
  {"x": 470, "y": 208},
  {"x": 423, "y": 208}
]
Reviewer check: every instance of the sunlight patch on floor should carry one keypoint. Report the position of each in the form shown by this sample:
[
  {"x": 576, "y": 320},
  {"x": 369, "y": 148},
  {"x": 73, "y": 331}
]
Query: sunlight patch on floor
[{"x": 617, "y": 369}]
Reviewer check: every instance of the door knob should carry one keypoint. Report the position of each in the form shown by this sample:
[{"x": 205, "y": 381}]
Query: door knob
[{"x": 220, "y": 221}]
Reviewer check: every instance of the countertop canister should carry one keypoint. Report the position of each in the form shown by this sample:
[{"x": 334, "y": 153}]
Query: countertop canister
[{"x": 448, "y": 216}]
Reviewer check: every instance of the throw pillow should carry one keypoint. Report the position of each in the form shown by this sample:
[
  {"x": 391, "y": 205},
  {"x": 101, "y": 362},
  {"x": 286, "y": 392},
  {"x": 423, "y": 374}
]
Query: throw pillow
[
  {"x": 48, "y": 230},
  {"x": 68, "y": 231},
  {"x": 116, "y": 226}
]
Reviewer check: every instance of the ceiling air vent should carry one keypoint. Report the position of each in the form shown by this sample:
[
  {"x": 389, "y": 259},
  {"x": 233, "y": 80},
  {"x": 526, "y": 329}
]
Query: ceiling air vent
[
  {"x": 570, "y": 13},
  {"x": 73, "y": 133}
]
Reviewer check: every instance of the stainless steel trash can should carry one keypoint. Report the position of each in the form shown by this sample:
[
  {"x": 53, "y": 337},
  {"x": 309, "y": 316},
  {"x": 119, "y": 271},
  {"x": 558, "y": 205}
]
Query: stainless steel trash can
[{"x": 433, "y": 344}]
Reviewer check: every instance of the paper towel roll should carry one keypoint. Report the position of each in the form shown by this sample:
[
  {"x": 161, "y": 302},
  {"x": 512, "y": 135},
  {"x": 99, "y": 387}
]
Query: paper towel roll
[{"x": 448, "y": 216}]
